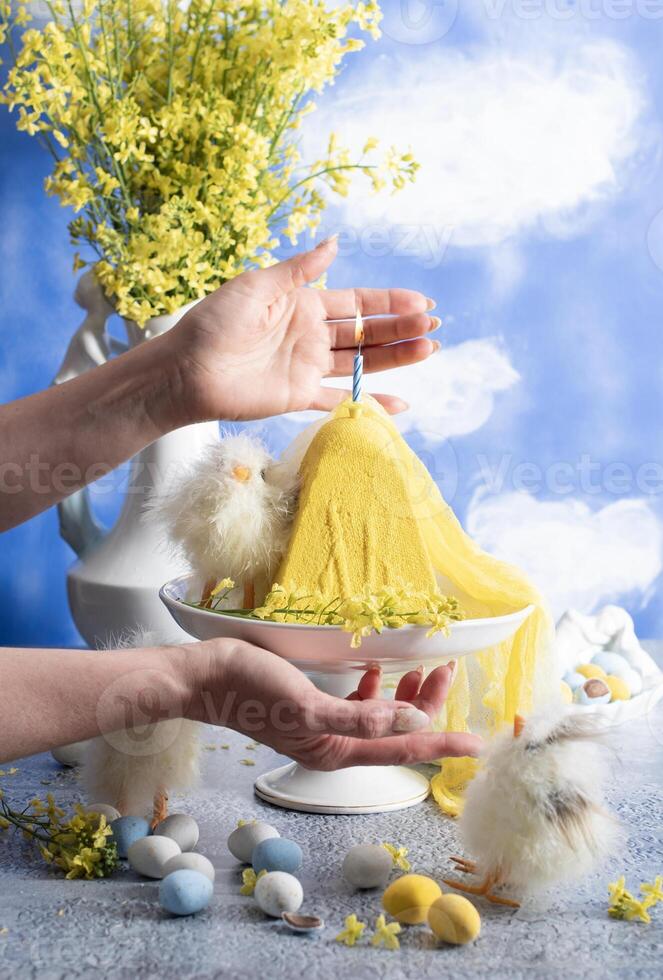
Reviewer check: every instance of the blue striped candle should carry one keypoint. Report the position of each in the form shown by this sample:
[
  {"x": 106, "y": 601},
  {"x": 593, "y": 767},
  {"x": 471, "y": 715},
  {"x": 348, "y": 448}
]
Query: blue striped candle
[
  {"x": 358, "y": 368},
  {"x": 356, "y": 377}
]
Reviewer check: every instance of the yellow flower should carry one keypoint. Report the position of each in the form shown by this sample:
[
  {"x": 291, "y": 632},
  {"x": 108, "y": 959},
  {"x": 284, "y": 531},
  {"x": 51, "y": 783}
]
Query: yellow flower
[
  {"x": 175, "y": 134},
  {"x": 653, "y": 892},
  {"x": 386, "y": 934},
  {"x": 398, "y": 856},
  {"x": 250, "y": 880},
  {"x": 352, "y": 932}
]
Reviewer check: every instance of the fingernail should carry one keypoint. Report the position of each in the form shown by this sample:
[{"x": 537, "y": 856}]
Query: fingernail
[
  {"x": 435, "y": 322},
  {"x": 436, "y": 346},
  {"x": 410, "y": 720},
  {"x": 328, "y": 240},
  {"x": 420, "y": 669},
  {"x": 430, "y": 303},
  {"x": 454, "y": 669}
]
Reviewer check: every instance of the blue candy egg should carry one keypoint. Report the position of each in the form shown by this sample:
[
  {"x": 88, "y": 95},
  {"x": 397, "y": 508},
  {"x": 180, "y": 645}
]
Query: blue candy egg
[
  {"x": 185, "y": 892},
  {"x": 574, "y": 680},
  {"x": 276, "y": 854},
  {"x": 127, "y": 830},
  {"x": 612, "y": 663}
]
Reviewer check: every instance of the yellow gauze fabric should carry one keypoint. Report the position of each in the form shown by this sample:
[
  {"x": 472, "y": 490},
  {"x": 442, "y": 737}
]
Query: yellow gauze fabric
[{"x": 370, "y": 514}]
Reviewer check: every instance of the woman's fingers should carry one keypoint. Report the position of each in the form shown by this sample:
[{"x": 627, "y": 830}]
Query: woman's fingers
[
  {"x": 435, "y": 688},
  {"x": 383, "y": 358},
  {"x": 383, "y": 330},
  {"x": 407, "y": 749},
  {"x": 367, "y": 719},
  {"x": 409, "y": 684},
  {"x": 368, "y": 686},
  {"x": 342, "y": 304},
  {"x": 328, "y": 398}
]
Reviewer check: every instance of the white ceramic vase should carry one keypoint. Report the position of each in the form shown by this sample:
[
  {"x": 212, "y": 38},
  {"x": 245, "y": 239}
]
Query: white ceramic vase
[{"x": 114, "y": 585}]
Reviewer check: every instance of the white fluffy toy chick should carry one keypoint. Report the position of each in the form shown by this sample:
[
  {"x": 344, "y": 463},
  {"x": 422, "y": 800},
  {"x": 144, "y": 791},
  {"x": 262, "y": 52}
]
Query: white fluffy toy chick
[
  {"x": 135, "y": 769},
  {"x": 231, "y": 515},
  {"x": 535, "y": 812}
]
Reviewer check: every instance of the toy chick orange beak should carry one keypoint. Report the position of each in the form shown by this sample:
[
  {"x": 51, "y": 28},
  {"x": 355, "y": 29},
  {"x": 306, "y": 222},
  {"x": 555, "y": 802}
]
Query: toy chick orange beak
[
  {"x": 518, "y": 725},
  {"x": 241, "y": 473}
]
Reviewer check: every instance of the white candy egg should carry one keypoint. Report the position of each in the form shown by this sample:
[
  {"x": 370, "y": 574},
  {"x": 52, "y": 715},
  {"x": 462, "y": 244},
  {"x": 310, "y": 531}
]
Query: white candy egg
[
  {"x": 70, "y": 755},
  {"x": 179, "y": 827},
  {"x": 149, "y": 855},
  {"x": 244, "y": 839},
  {"x": 190, "y": 862},
  {"x": 367, "y": 866},
  {"x": 278, "y": 892}
]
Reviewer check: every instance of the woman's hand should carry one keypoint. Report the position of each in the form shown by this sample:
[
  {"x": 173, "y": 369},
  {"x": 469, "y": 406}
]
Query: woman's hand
[
  {"x": 262, "y": 343},
  {"x": 263, "y": 696}
]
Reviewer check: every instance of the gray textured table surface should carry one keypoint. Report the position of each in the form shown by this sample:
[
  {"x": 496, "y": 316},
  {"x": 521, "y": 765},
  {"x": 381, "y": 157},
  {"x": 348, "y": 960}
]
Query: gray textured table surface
[{"x": 114, "y": 928}]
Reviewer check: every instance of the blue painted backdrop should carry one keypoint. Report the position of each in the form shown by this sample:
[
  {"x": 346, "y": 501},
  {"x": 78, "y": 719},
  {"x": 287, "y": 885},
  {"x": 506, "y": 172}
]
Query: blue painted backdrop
[{"x": 536, "y": 223}]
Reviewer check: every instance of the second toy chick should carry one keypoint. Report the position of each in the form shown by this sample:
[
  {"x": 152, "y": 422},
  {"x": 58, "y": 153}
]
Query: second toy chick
[{"x": 231, "y": 515}]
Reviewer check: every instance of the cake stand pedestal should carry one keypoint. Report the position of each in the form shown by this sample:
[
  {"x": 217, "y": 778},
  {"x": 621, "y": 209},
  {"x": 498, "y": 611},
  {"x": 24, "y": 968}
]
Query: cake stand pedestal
[{"x": 325, "y": 655}]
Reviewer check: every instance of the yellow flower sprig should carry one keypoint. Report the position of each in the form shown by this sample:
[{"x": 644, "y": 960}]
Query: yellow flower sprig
[
  {"x": 174, "y": 130},
  {"x": 80, "y": 845},
  {"x": 624, "y": 905},
  {"x": 386, "y": 608}
]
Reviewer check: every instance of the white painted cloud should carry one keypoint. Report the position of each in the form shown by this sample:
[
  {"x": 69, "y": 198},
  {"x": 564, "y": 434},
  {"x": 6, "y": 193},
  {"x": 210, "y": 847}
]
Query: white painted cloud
[
  {"x": 506, "y": 141},
  {"x": 579, "y": 558}
]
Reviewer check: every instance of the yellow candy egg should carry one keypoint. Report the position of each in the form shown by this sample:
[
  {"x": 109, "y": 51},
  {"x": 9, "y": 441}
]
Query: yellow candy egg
[
  {"x": 567, "y": 693},
  {"x": 454, "y": 919},
  {"x": 409, "y": 898},
  {"x": 591, "y": 670},
  {"x": 619, "y": 689}
]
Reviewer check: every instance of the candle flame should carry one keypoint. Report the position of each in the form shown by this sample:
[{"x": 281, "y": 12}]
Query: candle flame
[{"x": 359, "y": 330}]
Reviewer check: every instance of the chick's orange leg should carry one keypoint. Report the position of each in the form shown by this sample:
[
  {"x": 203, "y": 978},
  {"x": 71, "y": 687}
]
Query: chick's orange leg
[
  {"x": 159, "y": 808},
  {"x": 463, "y": 864},
  {"x": 484, "y": 890}
]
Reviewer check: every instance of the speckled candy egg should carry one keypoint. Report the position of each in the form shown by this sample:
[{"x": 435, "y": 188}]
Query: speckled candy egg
[
  {"x": 185, "y": 892},
  {"x": 367, "y": 866},
  {"x": 127, "y": 830},
  {"x": 454, "y": 919},
  {"x": 244, "y": 839},
  {"x": 409, "y": 898},
  {"x": 278, "y": 892},
  {"x": 191, "y": 861},
  {"x": 277, "y": 854},
  {"x": 104, "y": 809},
  {"x": 181, "y": 828},
  {"x": 149, "y": 855},
  {"x": 593, "y": 691},
  {"x": 574, "y": 679}
]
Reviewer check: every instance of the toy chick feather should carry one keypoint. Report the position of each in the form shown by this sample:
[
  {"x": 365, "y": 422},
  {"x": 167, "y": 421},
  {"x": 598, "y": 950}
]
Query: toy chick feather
[
  {"x": 136, "y": 769},
  {"x": 230, "y": 515},
  {"x": 535, "y": 813}
]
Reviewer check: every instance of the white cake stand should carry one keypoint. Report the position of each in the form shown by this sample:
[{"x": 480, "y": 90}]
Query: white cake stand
[{"x": 325, "y": 655}]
